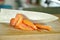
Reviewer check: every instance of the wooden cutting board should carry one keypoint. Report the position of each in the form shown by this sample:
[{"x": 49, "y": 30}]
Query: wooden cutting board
[{"x": 9, "y": 33}]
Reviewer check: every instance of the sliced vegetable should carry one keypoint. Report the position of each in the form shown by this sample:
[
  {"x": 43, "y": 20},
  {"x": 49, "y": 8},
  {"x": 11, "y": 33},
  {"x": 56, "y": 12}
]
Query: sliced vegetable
[
  {"x": 20, "y": 22},
  {"x": 43, "y": 26},
  {"x": 12, "y": 22},
  {"x": 29, "y": 23}
]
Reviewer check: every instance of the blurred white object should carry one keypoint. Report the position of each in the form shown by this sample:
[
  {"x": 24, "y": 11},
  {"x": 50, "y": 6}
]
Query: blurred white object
[
  {"x": 53, "y": 3},
  {"x": 39, "y": 17},
  {"x": 43, "y": 4}
]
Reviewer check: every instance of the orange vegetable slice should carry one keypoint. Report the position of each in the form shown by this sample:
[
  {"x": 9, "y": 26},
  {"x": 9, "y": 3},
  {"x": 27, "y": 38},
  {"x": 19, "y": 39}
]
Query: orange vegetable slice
[
  {"x": 24, "y": 27},
  {"x": 12, "y": 22},
  {"x": 20, "y": 25},
  {"x": 19, "y": 21},
  {"x": 29, "y": 23},
  {"x": 43, "y": 26},
  {"x": 17, "y": 17}
]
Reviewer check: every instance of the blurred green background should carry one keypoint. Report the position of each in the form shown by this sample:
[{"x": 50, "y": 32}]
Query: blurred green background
[{"x": 52, "y": 10}]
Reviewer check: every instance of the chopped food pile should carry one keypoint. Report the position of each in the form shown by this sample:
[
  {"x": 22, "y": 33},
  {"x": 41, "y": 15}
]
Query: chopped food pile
[{"x": 23, "y": 23}]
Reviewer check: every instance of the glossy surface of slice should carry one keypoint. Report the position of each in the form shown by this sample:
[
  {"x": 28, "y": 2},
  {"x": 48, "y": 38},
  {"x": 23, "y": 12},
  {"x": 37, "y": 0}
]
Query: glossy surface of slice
[
  {"x": 43, "y": 26},
  {"x": 29, "y": 23}
]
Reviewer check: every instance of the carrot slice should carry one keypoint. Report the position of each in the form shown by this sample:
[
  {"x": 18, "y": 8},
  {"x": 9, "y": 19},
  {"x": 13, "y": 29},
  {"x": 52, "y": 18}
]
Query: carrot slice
[
  {"x": 12, "y": 22},
  {"x": 24, "y": 27},
  {"x": 20, "y": 25},
  {"x": 29, "y": 23},
  {"x": 19, "y": 21},
  {"x": 43, "y": 26},
  {"x": 17, "y": 17}
]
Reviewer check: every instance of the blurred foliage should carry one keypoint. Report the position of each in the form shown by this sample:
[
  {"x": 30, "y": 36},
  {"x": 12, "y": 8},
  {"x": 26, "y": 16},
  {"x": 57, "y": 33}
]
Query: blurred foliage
[{"x": 53, "y": 10}]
